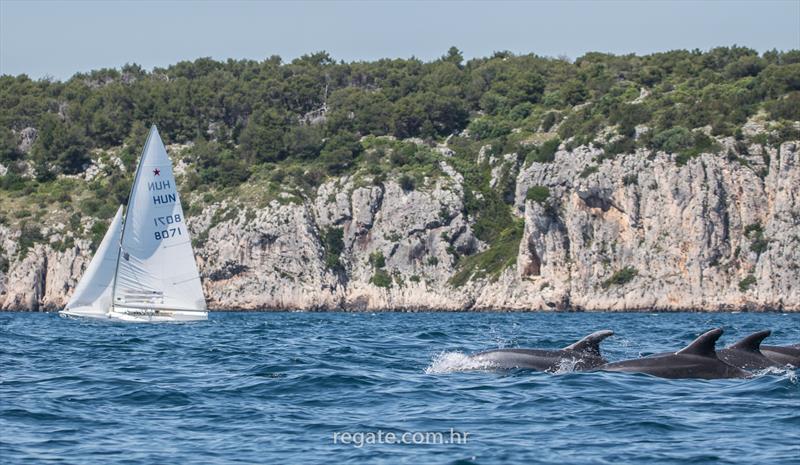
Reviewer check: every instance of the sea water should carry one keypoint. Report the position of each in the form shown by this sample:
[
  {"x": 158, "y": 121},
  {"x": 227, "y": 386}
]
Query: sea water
[{"x": 289, "y": 388}]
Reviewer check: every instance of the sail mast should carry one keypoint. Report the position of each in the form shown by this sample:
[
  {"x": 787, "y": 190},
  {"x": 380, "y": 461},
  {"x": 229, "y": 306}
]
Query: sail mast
[{"x": 125, "y": 218}]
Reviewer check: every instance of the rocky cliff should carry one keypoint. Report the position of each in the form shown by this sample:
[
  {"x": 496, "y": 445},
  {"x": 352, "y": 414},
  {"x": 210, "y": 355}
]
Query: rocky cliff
[{"x": 636, "y": 231}]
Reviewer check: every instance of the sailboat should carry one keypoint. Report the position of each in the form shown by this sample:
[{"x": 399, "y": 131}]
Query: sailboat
[{"x": 144, "y": 269}]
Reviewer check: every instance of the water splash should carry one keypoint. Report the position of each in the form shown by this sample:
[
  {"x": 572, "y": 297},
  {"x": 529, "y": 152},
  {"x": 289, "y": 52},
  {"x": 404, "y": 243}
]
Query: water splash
[
  {"x": 785, "y": 371},
  {"x": 451, "y": 362},
  {"x": 566, "y": 365}
]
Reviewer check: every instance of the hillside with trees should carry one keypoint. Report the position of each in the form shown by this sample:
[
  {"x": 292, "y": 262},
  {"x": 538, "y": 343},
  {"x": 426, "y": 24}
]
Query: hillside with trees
[{"x": 252, "y": 130}]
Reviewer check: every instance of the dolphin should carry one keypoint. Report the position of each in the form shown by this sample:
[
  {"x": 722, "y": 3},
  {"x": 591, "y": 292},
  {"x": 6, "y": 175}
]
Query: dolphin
[
  {"x": 746, "y": 355},
  {"x": 697, "y": 360},
  {"x": 783, "y": 355},
  {"x": 585, "y": 353}
]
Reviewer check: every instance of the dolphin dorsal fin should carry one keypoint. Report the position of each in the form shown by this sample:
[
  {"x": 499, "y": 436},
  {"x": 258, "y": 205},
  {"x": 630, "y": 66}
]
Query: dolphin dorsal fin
[
  {"x": 752, "y": 342},
  {"x": 703, "y": 345},
  {"x": 590, "y": 343}
]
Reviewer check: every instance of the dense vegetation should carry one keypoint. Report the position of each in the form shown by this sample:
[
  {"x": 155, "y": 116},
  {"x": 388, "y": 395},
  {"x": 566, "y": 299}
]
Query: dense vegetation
[
  {"x": 259, "y": 112},
  {"x": 288, "y": 126}
]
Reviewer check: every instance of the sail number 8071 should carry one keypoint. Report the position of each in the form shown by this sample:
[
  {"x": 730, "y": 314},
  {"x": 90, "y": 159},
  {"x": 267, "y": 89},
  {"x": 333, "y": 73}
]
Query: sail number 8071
[
  {"x": 166, "y": 221},
  {"x": 171, "y": 232}
]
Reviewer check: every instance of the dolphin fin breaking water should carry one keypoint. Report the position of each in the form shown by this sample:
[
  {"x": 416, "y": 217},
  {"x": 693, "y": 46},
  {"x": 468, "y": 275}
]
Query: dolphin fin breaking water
[
  {"x": 697, "y": 360},
  {"x": 582, "y": 355},
  {"x": 746, "y": 353},
  {"x": 591, "y": 343}
]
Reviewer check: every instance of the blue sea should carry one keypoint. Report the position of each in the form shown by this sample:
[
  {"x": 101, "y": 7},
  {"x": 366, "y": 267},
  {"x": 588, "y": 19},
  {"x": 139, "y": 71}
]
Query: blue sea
[{"x": 382, "y": 388}]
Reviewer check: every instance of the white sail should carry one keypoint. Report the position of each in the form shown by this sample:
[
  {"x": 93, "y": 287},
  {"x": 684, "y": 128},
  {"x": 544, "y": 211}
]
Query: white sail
[
  {"x": 156, "y": 268},
  {"x": 92, "y": 296}
]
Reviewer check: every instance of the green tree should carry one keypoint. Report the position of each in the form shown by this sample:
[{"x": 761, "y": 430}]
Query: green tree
[
  {"x": 786, "y": 108},
  {"x": 304, "y": 141},
  {"x": 340, "y": 151},
  {"x": 262, "y": 140},
  {"x": 59, "y": 148},
  {"x": 453, "y": 56},
  {"x": 574, "y": 92},
  {"x": 8, "y": 146},
  {"x": 673, "y": 140},
  {"x": 359, "y": 110}
]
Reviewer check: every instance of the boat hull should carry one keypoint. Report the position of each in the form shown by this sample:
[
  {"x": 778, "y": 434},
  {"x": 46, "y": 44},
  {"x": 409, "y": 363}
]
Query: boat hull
[
  {"x": 82, "y": 315},
  {"x": 139, "y": 315}
]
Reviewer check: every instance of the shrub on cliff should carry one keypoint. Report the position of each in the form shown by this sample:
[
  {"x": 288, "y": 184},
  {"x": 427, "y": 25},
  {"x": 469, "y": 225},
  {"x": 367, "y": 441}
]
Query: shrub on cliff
[
  {"x": 407, "y": 183},
  {"x": 377, "y": 260},
  {"x": 544, "y": 153},
  {"x": 758, "y": 243},
  {"x": 673, "y": 140},
  {"x": 333, "y": 243},
  {"x": 684, "y": 143},
  {"x": 501, "y": 254},
  {"x": 4, "y": 262},
  {"x": 618, "y": 146},
  {"x": 621, "y": 277},
  {"x": 30, "y": 234},
  {"x": 744, "y": 284},
  {"x": 381, "y": 279},
  {"x": 538, "y": 194}
]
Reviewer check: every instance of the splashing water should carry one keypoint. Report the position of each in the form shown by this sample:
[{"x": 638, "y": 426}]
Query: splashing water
[
  {"x": 451, "y": 362},
  {"x": 785, "y": 371},
  {"x": 566, "y": 365}
]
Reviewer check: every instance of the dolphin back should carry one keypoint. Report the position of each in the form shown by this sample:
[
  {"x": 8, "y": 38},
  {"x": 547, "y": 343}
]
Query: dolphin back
[
  {"x": 591, "y": 343},
  {"x": 783, "y": 355}
]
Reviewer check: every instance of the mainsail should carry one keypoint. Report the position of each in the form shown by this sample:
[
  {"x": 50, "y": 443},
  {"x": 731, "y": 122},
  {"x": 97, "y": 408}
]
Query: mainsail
[
  {"x": 156, "y": 267},
  {"x": 93, "y": 293}
]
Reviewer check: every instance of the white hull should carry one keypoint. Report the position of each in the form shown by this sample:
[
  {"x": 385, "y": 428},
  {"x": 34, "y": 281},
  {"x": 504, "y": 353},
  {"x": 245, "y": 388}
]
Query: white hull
[
  {"x": 156, "y": 316},
  {"x": 140, "y": 316},
  {"x": 78, "y": 315}
]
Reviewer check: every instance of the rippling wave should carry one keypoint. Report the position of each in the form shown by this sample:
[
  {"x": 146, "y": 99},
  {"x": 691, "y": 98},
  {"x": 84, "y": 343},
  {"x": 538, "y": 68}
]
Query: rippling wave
[{"x": 277, "y": 387}]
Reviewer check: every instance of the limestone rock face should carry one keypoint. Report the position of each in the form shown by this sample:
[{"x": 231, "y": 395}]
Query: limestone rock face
[
  {"x": 273, "y": 259},
  {"x": 691, "y": 232},
  {"x": 638, "y": 231},
  {"x": 27, "y": 280}
]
